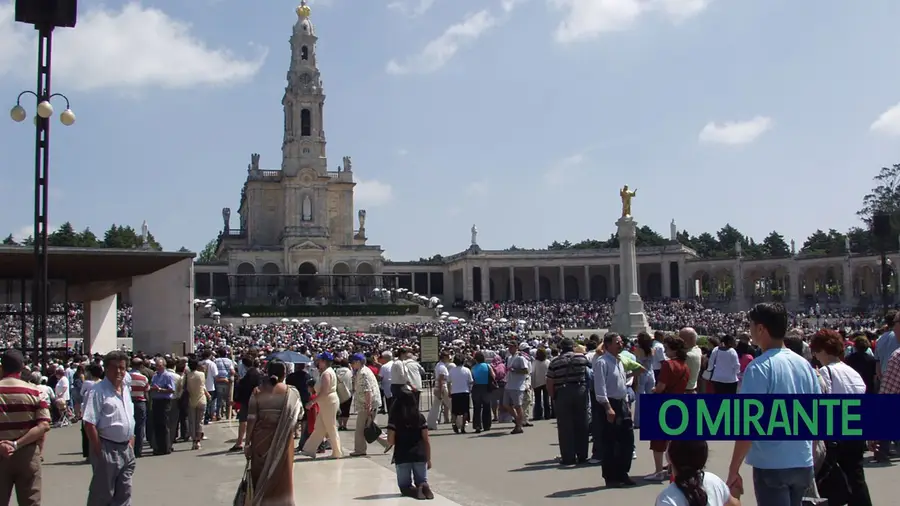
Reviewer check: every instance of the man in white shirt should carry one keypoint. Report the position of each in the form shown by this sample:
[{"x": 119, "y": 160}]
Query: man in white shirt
[
  {"x": 694, "y": 357},
  {"x": 405, "y": 371},
  {"x": 387, "y": 366},
  {"x": 441, "y": 393},
  {"x": 211, "y": 372},
  {"x": 62, "y": 396}
]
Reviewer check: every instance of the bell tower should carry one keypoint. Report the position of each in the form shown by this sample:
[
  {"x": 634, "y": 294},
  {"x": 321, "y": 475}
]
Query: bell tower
[{"x": 304, "y": 101}]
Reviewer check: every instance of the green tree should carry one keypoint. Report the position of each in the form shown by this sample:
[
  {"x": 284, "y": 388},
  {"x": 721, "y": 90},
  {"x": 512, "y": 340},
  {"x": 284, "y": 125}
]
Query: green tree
[
  {"x": 183, "y": 250},
  {"x": 774, "y": 246},
  {"x": 884, "y": 198},
  {"x": 208, "y": 254},
  {"x": 87, "y": 239},
  {"x": 10, "y": 241},
  {"x": 125, "y": 237},
  {"x": 64, "y": 237},
  {"x": 821, "y": 243},
  {"x": 28, "y": 241}
]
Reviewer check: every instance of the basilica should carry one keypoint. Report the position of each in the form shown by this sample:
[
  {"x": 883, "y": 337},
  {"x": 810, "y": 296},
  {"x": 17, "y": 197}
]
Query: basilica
[{"x": 299, "y": 239}]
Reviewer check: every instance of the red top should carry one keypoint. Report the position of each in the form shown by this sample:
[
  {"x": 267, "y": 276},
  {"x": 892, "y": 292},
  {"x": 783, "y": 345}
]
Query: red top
[
  {"x": 674, "y": 374},
  {"x": 311, "y": 415}
]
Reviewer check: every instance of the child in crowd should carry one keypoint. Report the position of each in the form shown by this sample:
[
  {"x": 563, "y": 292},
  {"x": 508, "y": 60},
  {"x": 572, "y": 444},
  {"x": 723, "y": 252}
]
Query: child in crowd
[{"x": 408, "y": 433}]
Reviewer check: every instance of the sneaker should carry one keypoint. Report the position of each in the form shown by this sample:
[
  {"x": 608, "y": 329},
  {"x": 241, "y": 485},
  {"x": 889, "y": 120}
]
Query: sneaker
[
  {"x": 357, "y": 454},
  {"x": 425, "y": 492},
  {"x": 660, "y": 476},
  {"x": 517, "y": 430}
]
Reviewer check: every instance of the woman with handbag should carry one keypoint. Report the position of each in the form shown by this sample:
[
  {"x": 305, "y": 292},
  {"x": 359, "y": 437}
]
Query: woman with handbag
[
  {"x": 841, "y": 478},
  {"x": 273, "y": 412},
  {"x": 367, "y": 396},
  {"x": 724, "y": 367},
  {"x": 328, "y": 403}
]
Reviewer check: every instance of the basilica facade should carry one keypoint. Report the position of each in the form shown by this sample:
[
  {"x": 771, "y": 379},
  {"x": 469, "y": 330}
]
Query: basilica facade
[{"x": 298, "y": 237}]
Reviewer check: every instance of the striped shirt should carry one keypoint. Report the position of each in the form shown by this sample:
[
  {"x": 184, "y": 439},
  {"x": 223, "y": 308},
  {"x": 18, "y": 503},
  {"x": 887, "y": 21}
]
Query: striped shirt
[
  {"x": 140, "y": 385},
  {"x": 568, "y": 368},
  {"x": 21, "y": 407}
]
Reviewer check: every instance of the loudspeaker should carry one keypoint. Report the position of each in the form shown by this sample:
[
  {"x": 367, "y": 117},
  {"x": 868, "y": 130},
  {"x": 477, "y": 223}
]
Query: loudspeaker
[
  {"x": 881, "y": 226},
  {"x": 47, "y": 13}
]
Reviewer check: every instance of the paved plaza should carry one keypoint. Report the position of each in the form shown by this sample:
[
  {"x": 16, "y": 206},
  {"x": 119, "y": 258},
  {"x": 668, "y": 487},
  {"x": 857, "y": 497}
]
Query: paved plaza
[{"x": 493, "y": 468}]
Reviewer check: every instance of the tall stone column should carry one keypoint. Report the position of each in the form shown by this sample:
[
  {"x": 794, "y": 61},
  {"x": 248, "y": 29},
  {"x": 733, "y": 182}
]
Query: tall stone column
[
  {"x": 485, "y": 283},
  {"x": 562, "y": 283},
  {"x": 537, "y": 283},
  {"x": 666, "y": 278},
  {"x": 586, "y": 285},
  {"x": 468, "y": 284},
  {"x": 611, "y": 286},
  {"x": 428, "y": 282},
  {"x": 847, "y": 282},
  {"x": 629, "y": 318},
  {"x": 512, "y": 283},
  {"x": 412, "y": 282}
]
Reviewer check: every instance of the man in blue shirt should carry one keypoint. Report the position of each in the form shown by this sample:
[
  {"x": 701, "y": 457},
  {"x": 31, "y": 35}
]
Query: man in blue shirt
[
  {"x": 162, "y": 391},
  {"x": 611, "y": 394},
  {"x": 782, "y": 470}
]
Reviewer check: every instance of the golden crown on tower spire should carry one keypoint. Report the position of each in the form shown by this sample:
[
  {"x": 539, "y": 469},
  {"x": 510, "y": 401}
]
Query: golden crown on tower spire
[{"x": 303, "y": 10}]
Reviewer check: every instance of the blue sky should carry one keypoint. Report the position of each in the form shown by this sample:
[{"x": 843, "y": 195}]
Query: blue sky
[{"x": 521, "y": 116}]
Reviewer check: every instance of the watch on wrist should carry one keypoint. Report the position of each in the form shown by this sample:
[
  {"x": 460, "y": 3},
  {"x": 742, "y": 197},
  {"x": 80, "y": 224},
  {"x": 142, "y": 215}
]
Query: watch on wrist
[{"x": 15, "y": 445}]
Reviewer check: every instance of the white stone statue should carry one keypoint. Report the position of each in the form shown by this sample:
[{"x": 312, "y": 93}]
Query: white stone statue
[
  {"x": 362, "y": 219},
  {"x": 673, "y": 231},
  {"x": 307, "y": 209},
  {"x": 793, "y": 247},
  {"x": 145, "y": 232},
  {"x": 348, "y": 164},
  {"x": 474, "y": 235},
  {"x": 847, "y": 244},
  {"x": 226, "y": 217},
  {"x": 738, "y": 248}
]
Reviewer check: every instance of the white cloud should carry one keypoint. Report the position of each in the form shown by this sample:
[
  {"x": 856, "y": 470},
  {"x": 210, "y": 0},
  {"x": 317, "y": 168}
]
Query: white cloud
[
  {"x": 439, "y": 51},
  {"x": 130, "y": 48},
  {"x": 734, "y": 133},
  {"x": 562, "y": 170},
  {"x": 478, "y": 189},
  {"x": 588, "y": 19},
  {"x": 888, "y": 123},
  {"x": 372, "y": 193},
  {"x": 411, "y": 8},
  {"x": 509, "y": 5}
]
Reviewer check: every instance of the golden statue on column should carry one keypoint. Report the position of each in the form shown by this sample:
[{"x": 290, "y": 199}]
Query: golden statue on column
[{"x": 627, "y": 195}]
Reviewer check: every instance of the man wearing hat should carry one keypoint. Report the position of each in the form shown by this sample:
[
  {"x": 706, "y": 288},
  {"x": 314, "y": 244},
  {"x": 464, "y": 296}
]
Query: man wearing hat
[
  {"x": 566, "y": 383},
  {"x": 367, "y": 397},
  {"x": 25, "y": 418}
]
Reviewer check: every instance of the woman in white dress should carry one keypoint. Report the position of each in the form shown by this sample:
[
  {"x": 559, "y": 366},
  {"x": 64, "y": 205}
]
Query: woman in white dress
[
  {"x": 693, "y": 485},
  {"x": 328, "y": 402}
]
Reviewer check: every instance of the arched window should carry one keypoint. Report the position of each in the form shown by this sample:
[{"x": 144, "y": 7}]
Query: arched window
[
  {"x": 305, "y": 151},
  {"x": 305, "y": 123},
  {"x": 304, "y": 53}
]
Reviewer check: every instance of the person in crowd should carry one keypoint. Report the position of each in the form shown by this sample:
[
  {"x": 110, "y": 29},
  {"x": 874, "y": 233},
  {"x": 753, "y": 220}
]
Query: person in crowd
[
  {"x": 162, "y": 393},
  {"x": 211, "y": 372},
  {"x": 658, "y": 347},
  {"x": 327, "y": 402},
  {"x": 566, "y": 384},
  {"x": 694, "y": 357},
  {"x": 460, "y": 384},
  {"x": 140, "y": 389},
  {"x": 224, "y": 384},
  {"x": 24, "y": 420},
  {"x": 384, "y": 374},
  {"x": 63, "y": 397},
  {"x": 540, "y": 366},
  {"x": 673, "y": 380},
  {"x": 344, "y": 392},
  {"x": 93, "y": 376},
  {"x": 441, "y": 393},
  {"x": 366, "y": 394},
  {"x": 692, "y": 484},
  {"x": 500, "y": 370},
  {"x": 645, "y": 379},
  {"x": 109, "y": 425},
  {"x": 273, "y": 412},
  {"x": 408, "y": 434},
  {"x": 518, "y": 370},
  {"x": 484, "y": 383},
  {"x": 198, "y": 396},
  {"x": 618, "y": 428},
  {"x": 828, "y": 347},
  {"x": 75, "y": 374},
  {"x": 889, "y": 376},
  {"x": 863, "y": 362},
  {"x": 725, "y": 366},
  {"x": 782, "y": 470},
  {"x": 248, "y": 384}
]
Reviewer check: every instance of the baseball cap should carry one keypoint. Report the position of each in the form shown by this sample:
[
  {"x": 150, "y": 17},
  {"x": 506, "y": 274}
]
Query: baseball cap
[
  {"x": 326, "y": 356},
  {"x": 524, "y": 347},
  {"x": 357, "y": 357}
]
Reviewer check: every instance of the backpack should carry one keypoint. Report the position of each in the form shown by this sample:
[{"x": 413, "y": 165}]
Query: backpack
[{"x": 499, "y": 372}]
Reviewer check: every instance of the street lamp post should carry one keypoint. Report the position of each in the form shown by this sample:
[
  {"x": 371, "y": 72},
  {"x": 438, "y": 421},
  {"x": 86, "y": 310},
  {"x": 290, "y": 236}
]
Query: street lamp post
[{"x": 44, "y": 15}]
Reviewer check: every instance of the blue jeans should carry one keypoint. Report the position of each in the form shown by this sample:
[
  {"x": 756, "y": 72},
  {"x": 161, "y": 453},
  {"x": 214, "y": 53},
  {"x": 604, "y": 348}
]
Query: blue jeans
[
  {"x": 211, "y": 405},
  {"x": 412, "y": 473},
  {"x": 221, "y": 400},
  {"x": 781, "y": 487}
]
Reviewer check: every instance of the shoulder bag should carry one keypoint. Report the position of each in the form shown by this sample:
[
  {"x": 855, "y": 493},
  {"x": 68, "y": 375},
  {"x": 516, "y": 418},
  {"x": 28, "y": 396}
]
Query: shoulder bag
[
  {"x": 244, "y": 495},
  {"x": 707, "y": 374}
]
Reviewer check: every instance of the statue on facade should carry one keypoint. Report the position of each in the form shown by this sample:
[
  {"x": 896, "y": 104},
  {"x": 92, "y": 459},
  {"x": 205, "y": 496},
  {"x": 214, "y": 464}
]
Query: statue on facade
[
  {"x": 474, "y": 235},
  {"x": 627, "y": 195},
  {"x": 307, "y": 209},
  {"x": 145, "y": 233},
  {"x": 254, "y": 162},
  {"x": 793, "y": 247},
  {"x": 673, "y": 231},
  {"x": 348, "y": 164},
  {"x": 362, "y": 220},
  {"x": 226, "y": 217}
]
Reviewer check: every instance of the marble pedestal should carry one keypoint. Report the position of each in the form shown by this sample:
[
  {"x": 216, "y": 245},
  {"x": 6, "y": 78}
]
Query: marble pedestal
[{"x": 628, "y": 313}]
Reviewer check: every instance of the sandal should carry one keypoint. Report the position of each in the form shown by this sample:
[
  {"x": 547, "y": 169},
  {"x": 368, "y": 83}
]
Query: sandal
[{"x": 236, "y": 448}]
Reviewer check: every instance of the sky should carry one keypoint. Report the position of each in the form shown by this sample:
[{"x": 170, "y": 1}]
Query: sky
[{"x": 524, "y": 117}]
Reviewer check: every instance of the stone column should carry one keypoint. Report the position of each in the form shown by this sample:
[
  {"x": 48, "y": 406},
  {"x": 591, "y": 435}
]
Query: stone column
[
  {"x": 629, "y": 318},
  {"x": 682, "y": 283},
  {"x": 537, "y": 283},
  {"x": 100, "y": 325},
  {"x": 737, "y": 273},
  {"x": 512, "y": 283},
  {"x": 428, "y": 282},
  {"x": 468, "y": 283},
  {"x": 412, "y": 282},
  {"x": 562, "y": 283},
  {"x": 449, "y": 288},
  {"x": 666, "y": 279},
  {"x": 611, "y": 286},
  {"x": 847, "y": 282},
  {"x": 586, "y": 286},
  {"x": 485, "y": 283},
  {"x": 212, "y": 294}
]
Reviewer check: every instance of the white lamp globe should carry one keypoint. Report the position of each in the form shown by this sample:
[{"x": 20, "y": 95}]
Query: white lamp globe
[
  {"x": 18, "y": 113},
  {"x": 67, "y": 117},
  {"x": 45, "y": 109}
]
